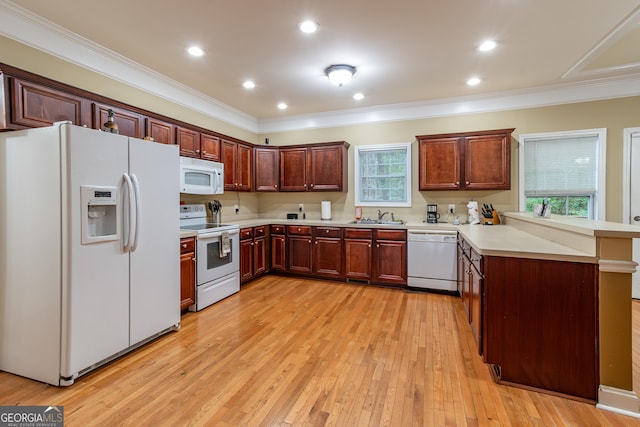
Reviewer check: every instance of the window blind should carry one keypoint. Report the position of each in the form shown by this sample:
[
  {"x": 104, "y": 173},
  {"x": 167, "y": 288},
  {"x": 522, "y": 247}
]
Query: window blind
[{"x": 561, "y": 166}]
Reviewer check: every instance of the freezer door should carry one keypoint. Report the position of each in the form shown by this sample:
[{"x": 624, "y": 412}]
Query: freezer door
[
  {"x": 95, "y": 276},
  {"x": 155, "y": 257}
]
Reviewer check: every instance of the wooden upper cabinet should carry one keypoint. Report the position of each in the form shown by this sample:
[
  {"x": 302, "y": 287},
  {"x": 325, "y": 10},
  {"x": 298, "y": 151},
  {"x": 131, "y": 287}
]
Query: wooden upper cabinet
[
  {"x": 189, "y": 141},
  {"x": 238, "y": 165},
  {"x": 465, "y": 161},
  {"x": 35, "y": 105},
  {"x": 315, "y": 167},
  {"x": 160, "y": 131},
  {"x": 266, "y": 168},
  {"x": 209, "y": 147},
  {"x": 439, "y": 161},
  {"x": 129, "y": 123},
  {"x": 293, "y": 169}
]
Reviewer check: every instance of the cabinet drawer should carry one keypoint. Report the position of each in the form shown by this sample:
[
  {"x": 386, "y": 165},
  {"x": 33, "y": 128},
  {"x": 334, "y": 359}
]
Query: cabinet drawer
[
  {"x": 391, "y": 235},
  {"x": 246, "y": 233},
  {"x": 277, "y": 229},
  {"x": 259, "y": 231},
  {"x": 358, "y": 233},
  {"x": 477, "y": 260},
  {"x": 327, "y": 232},
  {"x": 187, "y": 245},
  {"x": 304, "y": 230}
]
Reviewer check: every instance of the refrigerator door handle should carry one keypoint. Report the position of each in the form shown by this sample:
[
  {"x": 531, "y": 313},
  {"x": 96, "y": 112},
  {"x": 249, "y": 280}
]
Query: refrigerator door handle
[
  {"x": 130, "y": 190},
  {"x": 136, "y": 186}
]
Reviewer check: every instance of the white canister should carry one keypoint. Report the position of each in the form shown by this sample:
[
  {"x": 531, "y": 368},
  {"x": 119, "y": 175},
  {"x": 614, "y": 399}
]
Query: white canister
[{"x": 325, "y": 210}]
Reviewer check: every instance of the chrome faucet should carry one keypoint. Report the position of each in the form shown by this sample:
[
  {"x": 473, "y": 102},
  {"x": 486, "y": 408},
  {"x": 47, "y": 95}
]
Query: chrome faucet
[{"x": 381, "y": 214}]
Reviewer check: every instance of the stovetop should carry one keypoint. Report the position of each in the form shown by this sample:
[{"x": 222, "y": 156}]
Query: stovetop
[{"x": 194, "y": 217}]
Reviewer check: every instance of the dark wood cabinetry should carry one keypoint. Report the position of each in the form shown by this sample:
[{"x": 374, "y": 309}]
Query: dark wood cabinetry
[
  {"x": 314, "y": 167},
  {"x": 390, "y": 257},
  {"x": 266, "y": 168},
  {"x": 465, "y": 161},
  {"x": 238, "y": 166},
  {"x": 278, "y": 248},
  {"x": 187, "y": 272},
  {"x": 129, "y": 122},
  {"x": 327, "y": 252},
  {"x": 160, "y": 131},
  {"x": 471, "y": 277},
  {"x": 189, "y": 142},
  {"x": 35, "y": 105},
  {"x": 358, "y": 253},
  {"x": 253, "y": 252},
  {"x": 540, "y": 315},
  {"x": 299, "y": 249},
  {"x": 209, "y": 147}
]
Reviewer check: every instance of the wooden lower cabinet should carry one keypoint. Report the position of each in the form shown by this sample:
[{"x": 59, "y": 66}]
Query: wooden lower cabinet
[
  {"x": 327, "y": 252},
  {"x": 299, "y": 249},
  {"x": 278, "y": 248},
  {"x": 187, "y": 272},
  {"x": 390, "y": 257},
  {"x": 540, "y": 324},
  {"x": 253, "y": 253},
  {"x": 358, "y": 253}
]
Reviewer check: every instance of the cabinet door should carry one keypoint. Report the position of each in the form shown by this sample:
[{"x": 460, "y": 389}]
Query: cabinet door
[
  {"x": 244, "y": 168},
  {"x": 160, "y": 131},
  {"x": 34, "y": 105},
  {"x": 189, "y": 141},
  {"x": 325, "y": 168},
  {"x": 466, "y": 286},
  {"x": 266, "y": 169},
  {"x": 476, "y": 306},
  {"x": 246, "y": 260},
  {"x": 293, "y": 169},
  {"x": 278, "y": 252},
  {"x": 300, "y": 254},
  {"x": 487, "y": 162},
  {"x": 187, "y": 279},
  {"x": 259, "y": 256},
  {"x": 229, "y": 157},
  {"x": 439, "y": 164},
  {"x": 357, "y": 259},
  {"x": 209, "y": 147},
  {"x": 390, "y": 261},
  {"x": 327, "y": 256},
  {"x": 129, "y": 123}
]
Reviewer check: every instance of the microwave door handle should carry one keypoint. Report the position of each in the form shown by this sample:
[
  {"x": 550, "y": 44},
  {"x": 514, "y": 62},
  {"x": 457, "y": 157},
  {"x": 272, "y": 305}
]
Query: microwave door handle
[
  {"x": 136, "y": 186},
  {"x": 129, "y": 216}
]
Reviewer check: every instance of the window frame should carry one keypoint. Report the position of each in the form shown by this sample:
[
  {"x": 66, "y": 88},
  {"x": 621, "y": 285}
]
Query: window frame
[
  {"x": 356, "y": 174},
  {"x": 599, "y": 202}
]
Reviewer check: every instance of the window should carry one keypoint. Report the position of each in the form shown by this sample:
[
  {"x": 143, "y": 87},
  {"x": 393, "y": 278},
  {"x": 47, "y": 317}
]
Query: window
[
  {"x": 383, "y": 175},
  {"x": 566, "y": 169}
]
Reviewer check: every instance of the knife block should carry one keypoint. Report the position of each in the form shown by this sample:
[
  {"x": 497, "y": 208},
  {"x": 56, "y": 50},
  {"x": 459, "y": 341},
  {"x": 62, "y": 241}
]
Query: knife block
[{"x": 494, "y": 220}]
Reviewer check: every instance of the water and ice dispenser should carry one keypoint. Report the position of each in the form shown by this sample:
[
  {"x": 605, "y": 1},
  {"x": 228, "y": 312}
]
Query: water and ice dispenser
[{"x": 99, "y": 214}]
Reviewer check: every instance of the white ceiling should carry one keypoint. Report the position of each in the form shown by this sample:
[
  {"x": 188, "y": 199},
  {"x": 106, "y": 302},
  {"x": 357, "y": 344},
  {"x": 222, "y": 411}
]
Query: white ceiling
[{"x": 413, "y": 57}]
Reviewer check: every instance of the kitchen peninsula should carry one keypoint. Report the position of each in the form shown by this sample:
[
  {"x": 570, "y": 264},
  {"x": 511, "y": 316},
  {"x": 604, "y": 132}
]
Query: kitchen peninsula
[{"x": 555, "y": 311}]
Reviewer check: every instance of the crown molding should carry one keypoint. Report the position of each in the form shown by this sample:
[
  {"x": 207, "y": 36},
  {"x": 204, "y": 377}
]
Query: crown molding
[{"x": 32, "y": 30}]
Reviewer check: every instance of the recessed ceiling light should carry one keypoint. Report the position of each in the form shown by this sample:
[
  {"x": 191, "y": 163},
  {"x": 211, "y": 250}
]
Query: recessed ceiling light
[
  {"x": 249, "y": 84},
  {"x": 473, "y": 81},
  {"x": 195, "y": 51},
  {"x": 358, "y": 96},
  {"x": 308, "y": 27},
  {"x": 282, "y": 106},
  {"x": 487, "y": 45}
]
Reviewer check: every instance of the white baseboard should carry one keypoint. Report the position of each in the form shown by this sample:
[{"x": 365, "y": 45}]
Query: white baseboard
[{"x": 617, "y": 400}]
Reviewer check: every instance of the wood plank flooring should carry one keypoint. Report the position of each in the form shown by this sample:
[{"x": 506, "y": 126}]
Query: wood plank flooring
[{"x": 297, "y": 352}]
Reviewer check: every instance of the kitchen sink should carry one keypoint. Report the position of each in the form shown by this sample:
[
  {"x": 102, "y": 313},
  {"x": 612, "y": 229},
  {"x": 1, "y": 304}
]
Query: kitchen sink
[{"x": 377, "y": 221}]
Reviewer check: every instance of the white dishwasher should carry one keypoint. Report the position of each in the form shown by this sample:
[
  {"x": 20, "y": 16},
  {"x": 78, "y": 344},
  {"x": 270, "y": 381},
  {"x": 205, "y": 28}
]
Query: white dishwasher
[{"x": 432, "y": 259}]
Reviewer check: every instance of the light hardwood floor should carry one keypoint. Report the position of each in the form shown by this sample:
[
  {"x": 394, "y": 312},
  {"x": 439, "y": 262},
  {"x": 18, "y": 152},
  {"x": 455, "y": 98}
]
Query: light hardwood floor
[{"x": 303, "y": 352}]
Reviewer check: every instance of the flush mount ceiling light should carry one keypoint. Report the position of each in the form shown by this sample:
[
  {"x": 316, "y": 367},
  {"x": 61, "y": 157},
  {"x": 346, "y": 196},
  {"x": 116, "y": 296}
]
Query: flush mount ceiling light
[
  {"x": 195, "y": 51},
  {"x": 308, "y": 27},
  {"x": 340, "y": 74},
  {"x": 487, "y": 45}
]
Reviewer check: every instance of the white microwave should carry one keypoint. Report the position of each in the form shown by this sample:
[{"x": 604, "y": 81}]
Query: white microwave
[{"x": 201, "y": 176}]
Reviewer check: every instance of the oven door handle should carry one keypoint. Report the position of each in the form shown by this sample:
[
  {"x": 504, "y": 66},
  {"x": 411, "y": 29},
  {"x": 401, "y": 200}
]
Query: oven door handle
[
  {"x": 217, "y": 234},
  {"x": 136, "y": 186},
  {"x": 130, "y": 190}
]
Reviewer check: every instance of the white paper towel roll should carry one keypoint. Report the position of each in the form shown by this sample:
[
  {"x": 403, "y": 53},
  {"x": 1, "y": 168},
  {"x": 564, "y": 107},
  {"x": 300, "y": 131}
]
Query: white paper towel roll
[{"x": 325, "y": 210}]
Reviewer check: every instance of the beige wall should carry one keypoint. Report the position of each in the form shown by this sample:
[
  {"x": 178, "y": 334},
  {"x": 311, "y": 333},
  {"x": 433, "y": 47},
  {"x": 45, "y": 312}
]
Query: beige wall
[{"x": 615, "y": 115}]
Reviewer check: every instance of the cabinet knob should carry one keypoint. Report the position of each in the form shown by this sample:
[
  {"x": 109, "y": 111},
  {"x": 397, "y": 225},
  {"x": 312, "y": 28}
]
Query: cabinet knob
[
  {"x": 252, "y": 243},
  {"x": 457, "y": 182},
  {"x": 311, "y": 185},
  {"x": 316, "y": 242},
  {"x": 193, "y": 259},
  {"x": 369, "y": 245},
  {"x": 184, "y": 245},
  {"x": 298, "y": 228},
  {"x": 378, "y": 245},
  {"x": 305, "y": 186},
  {"x": 276, "y": 186},
  {"x": 327, "y": 231},
  {"x": 310, "y": 241},
  {"x": 467, "y": 182},
  {"x": 204, "y": 152}
]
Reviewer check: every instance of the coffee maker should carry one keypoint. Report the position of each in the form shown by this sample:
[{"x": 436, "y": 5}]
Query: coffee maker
[{"x": 432, "y": 214}]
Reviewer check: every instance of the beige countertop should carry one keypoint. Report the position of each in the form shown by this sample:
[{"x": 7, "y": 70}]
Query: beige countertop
[{"x": 494, "y": 240}]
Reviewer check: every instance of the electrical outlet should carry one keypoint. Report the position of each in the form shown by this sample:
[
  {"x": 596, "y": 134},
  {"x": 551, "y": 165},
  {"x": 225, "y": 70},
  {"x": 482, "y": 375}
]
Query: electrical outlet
[
  {"x": 301, "y": 207},
  {"x": 452, "y": 209},
  {"x": 236, "y": 208}
]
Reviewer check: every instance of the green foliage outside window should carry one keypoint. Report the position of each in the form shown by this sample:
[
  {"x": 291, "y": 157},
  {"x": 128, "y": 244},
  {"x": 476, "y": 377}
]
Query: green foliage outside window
[{"x": 563, "y": 205}]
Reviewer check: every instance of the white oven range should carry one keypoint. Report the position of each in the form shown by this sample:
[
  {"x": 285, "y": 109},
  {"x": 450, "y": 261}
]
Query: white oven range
[{"x": 217, "y": 256}]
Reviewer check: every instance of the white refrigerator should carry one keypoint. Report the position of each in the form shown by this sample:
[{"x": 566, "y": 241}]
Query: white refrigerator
[{"x": 89, "y": 249}]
